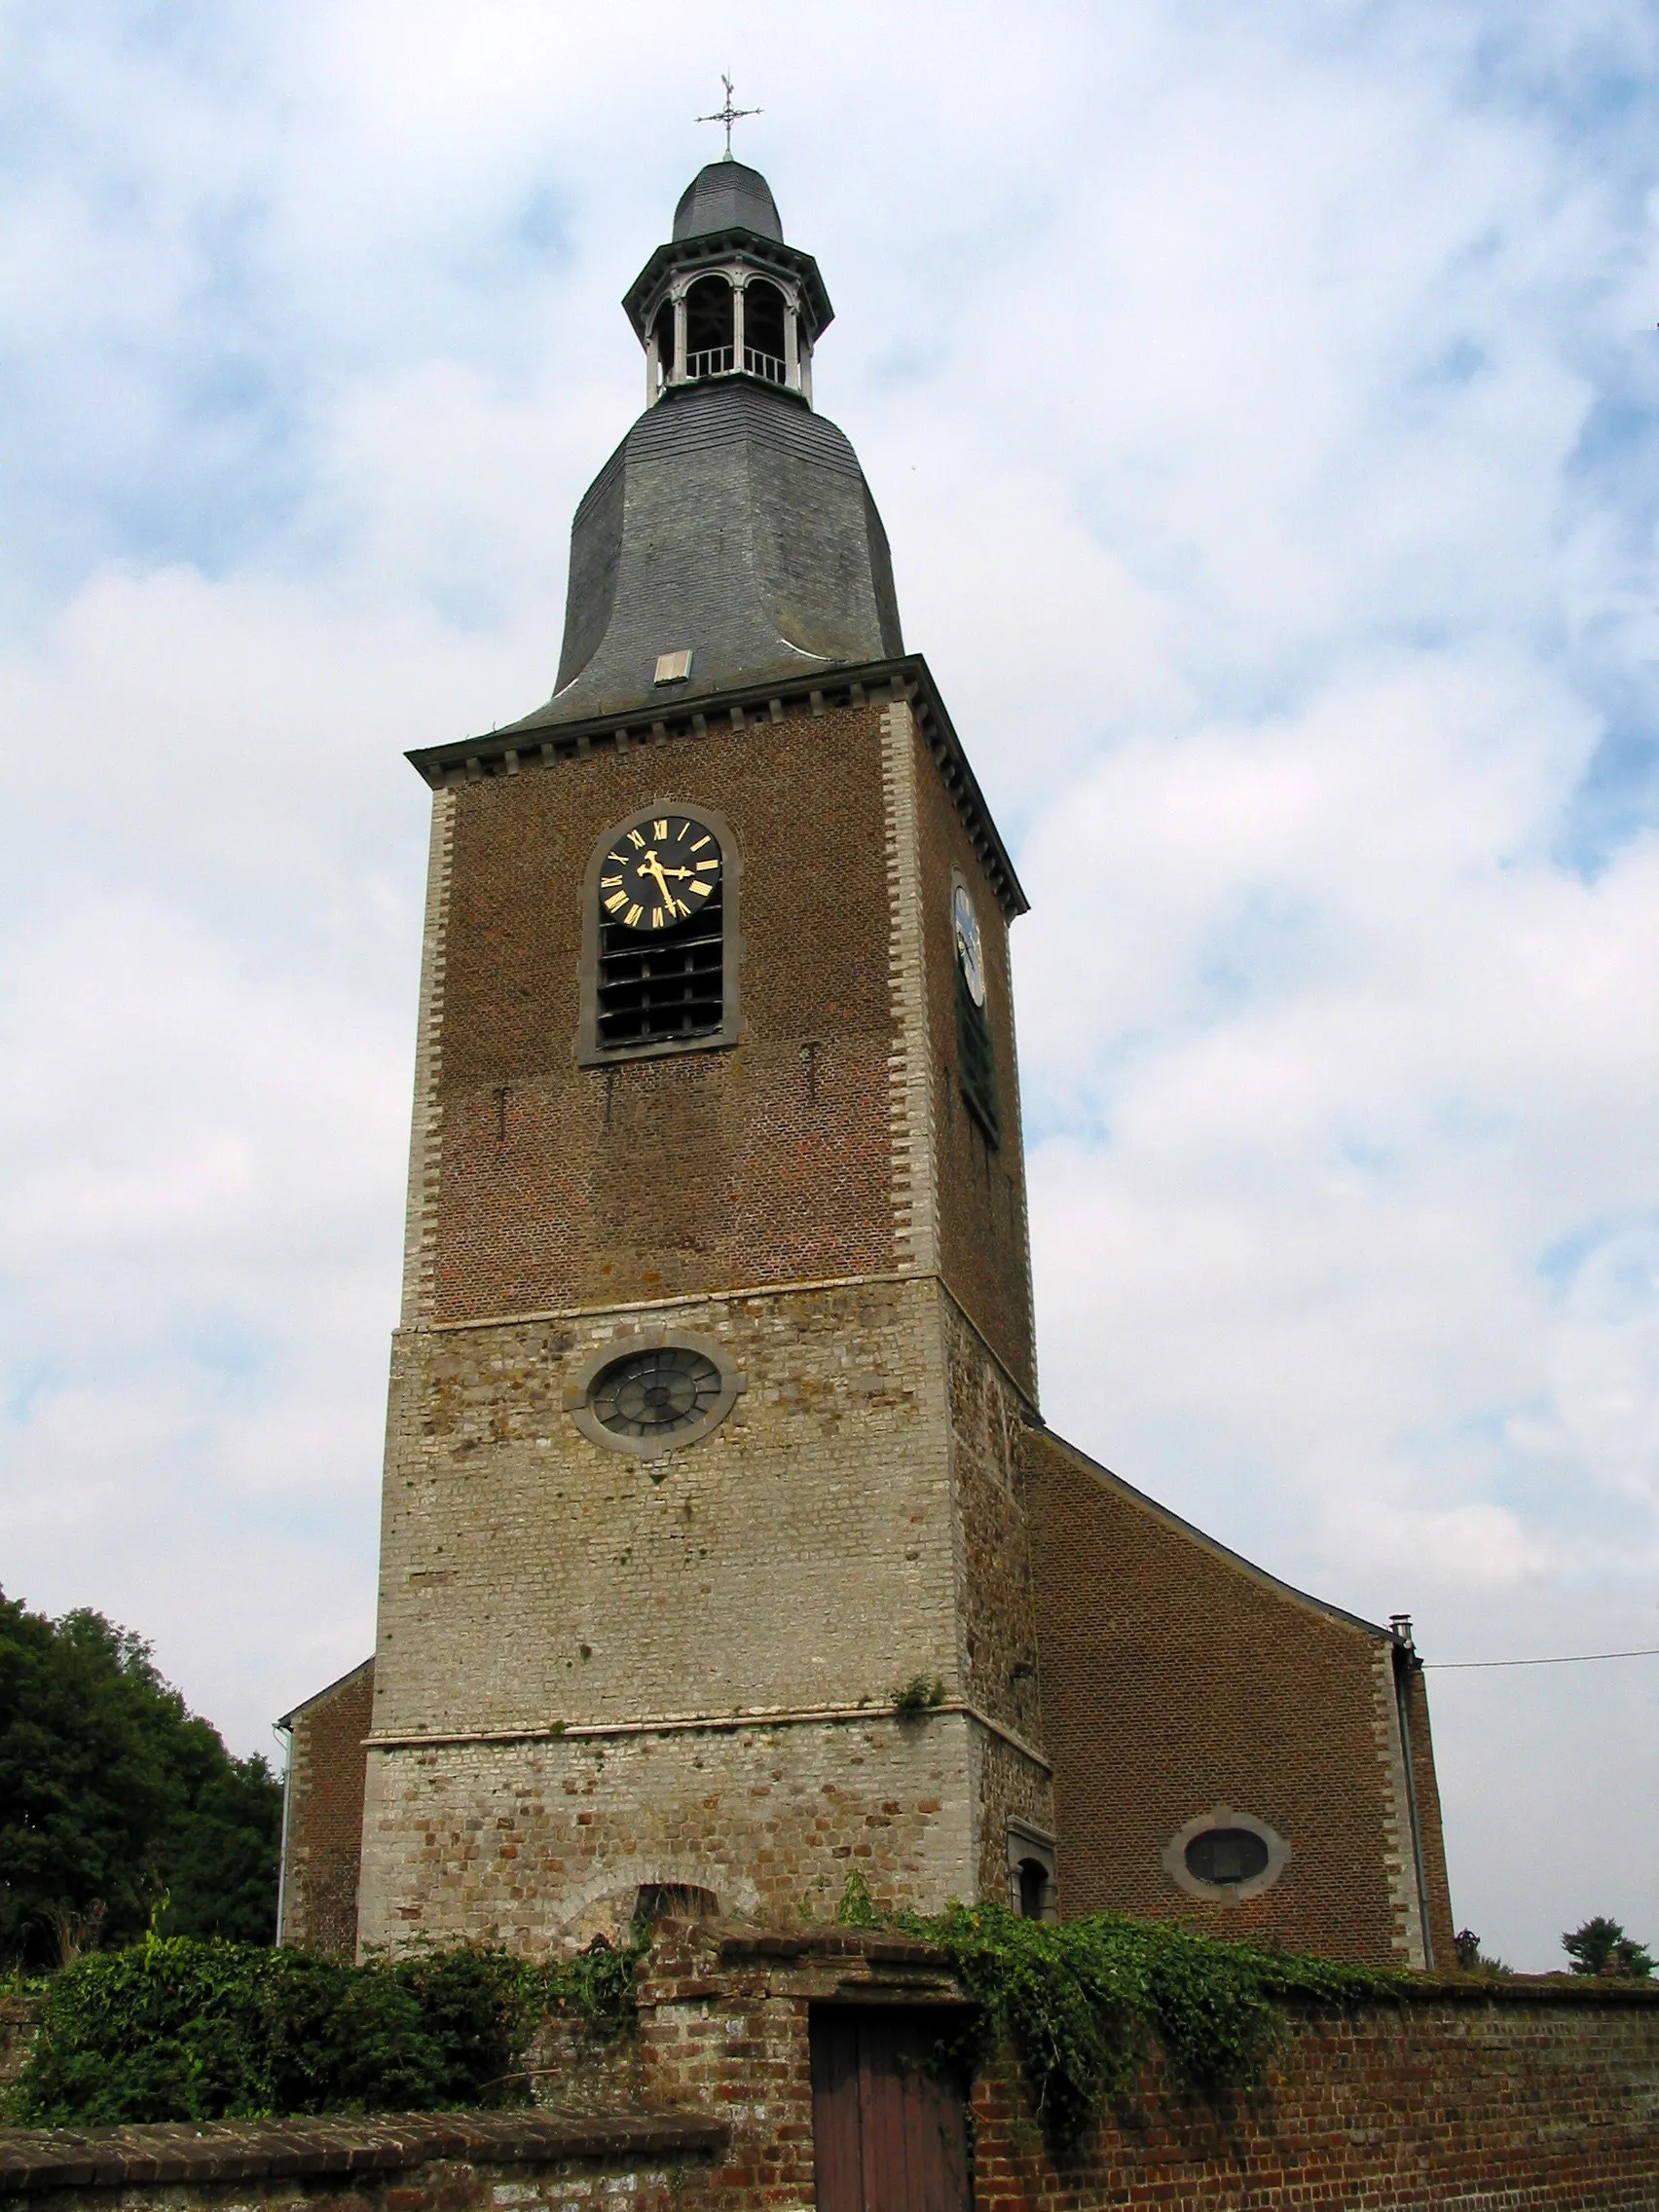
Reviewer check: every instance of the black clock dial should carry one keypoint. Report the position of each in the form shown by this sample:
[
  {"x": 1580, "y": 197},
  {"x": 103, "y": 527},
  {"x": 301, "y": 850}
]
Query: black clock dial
[{"x": 659, "y": 873}]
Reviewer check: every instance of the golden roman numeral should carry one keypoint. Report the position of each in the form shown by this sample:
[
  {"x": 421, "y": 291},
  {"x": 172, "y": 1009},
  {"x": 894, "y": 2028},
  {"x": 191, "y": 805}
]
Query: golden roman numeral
[
  {"x": 659, "y": 831},
  {"x": 616, "y": 898},
  {"x": 698, "y": 846},
  {"x": 635, "y": 839},
  {"x": 621, "y": 858},
  {"x": 681, "y": 832},
  {"x": 707, "y": 864},
  {"x": 656, "y": 917},
  {"x": 702, "y": 890},
  {"x": 631, "y": 915},
  {"x": 608, "y": 882}
]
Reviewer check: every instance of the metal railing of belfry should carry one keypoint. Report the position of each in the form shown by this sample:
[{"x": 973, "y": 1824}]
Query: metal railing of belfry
[{"x": 721, "y": 361}]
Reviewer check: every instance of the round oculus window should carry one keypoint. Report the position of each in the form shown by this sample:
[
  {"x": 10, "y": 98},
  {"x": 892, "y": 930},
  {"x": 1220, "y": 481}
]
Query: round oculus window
[
  {"x": 1226, "y": 1857},
  {"x": 655, "y": 1395}
]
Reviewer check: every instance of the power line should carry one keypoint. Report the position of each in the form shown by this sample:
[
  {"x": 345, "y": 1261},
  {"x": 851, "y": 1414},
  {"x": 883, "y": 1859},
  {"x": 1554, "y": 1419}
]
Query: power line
[{"x": 1569, "y": 1659}]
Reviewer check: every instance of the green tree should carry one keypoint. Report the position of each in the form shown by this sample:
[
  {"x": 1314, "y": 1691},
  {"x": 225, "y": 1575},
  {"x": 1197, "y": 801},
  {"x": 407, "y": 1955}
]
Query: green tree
[
  {"x": 1601, "y": 1946},
  {"x": 113, "y": 1796}
]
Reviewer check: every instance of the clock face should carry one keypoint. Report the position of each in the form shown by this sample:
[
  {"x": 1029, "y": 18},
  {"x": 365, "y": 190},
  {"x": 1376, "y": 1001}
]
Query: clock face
[
  {"x": 970, "y": 951},
  {"x": 660, "y": 873}
]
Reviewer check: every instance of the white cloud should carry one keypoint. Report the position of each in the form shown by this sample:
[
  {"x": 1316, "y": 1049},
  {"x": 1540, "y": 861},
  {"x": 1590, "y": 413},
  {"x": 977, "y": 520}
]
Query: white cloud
[{"x": 1252, "y": 405}]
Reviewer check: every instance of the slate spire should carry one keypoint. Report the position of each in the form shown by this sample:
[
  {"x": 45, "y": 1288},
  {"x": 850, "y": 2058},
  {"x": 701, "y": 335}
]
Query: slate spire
[{"x": 733, "y": 524}]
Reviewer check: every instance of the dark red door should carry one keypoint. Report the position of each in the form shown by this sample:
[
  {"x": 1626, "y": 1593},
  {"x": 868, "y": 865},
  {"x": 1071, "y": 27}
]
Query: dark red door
[{"x": 889, "y": 2134}]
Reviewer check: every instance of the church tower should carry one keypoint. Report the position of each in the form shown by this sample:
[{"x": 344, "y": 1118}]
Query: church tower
[{"x": 706, "y": 1566}]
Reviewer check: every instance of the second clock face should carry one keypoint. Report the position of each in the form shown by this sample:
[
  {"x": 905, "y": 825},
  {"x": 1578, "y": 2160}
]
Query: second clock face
[
  {"x": 660, "y": 873},
  {"x": 969, "y": 951}
]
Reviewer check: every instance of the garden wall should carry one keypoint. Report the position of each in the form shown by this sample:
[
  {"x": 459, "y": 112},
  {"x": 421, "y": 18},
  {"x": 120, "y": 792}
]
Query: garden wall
[{"x": 1525, "y": 2096}]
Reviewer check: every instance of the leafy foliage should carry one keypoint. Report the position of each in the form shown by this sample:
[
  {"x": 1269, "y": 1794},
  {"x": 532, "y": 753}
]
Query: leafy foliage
[
  {"x": 1601, "y": 1946},
  {"x": 112, "y": 1795},
  {"x": 920, "y": 1694},
  {"x": 1471, "y": 1959},
  {"x": 1083, "y": 2000},
  {"x": 857, "y": 1908},
  {"x": 177, "y": 2028}
]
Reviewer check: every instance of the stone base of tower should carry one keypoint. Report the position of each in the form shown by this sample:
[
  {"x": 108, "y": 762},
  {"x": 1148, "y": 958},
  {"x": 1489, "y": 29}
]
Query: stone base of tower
[{"x": 544, "y": 1845}]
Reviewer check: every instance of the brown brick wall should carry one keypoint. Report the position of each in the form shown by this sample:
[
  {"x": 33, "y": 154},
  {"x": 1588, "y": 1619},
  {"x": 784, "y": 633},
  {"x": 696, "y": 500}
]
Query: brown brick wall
[
  {"x": 983, "y": 1248},
  {"x": 1530, "y": 2107},
  {"x": 324, "y": 1833},
  {"x": 561, "y": 1185},
  {"x": 1175, "y": 1680},
  {"x": 1532, "y": 2099}
]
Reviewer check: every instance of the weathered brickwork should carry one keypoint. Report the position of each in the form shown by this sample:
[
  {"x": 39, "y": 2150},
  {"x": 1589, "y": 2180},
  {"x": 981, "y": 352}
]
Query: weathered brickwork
[
  {"x": 323, "y": 1823},
  {"x": 573, "y": 1641},
  {"x": 544, "y": 1844},
  {"x": 1524, "y": 2104},
  {"x": 997, "y": 1619},
  {"x": 623, "y": 2161},
  {"x": 800, "y": 1554},
  {"x": 1528, "y": 2096},
  {"x": 1175, "y": 1680},
  {"x": 772, "y": 1162}
]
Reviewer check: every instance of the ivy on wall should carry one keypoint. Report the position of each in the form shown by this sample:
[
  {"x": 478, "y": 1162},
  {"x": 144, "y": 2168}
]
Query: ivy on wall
[{"x": 1083, "y": 2000}]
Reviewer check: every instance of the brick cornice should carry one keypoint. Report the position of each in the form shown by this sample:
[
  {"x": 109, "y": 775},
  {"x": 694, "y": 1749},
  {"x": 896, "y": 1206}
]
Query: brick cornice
[{"x": 532, "y": 743}]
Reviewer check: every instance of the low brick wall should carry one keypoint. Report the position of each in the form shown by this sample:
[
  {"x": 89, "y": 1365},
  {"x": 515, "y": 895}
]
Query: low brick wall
[
  {"x": 1515, "y": 2098},
  {"x": 418, "y": 2162},
  {"x": 1480, "y": 2096}
]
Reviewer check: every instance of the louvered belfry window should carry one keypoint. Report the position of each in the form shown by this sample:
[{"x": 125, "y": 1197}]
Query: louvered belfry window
[{"x": 662, "y": 935}]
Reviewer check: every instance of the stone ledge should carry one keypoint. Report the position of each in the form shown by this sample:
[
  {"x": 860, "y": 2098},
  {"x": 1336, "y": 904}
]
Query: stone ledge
[{"x": 118, "y": 2158}]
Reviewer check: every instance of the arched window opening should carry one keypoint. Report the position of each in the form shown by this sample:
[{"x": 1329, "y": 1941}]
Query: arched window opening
[
  {"x": 709, "y": 328},
  {"x": 658, "y": 926},
  {"x": 662, "y": 330},
  {"x": 1033, "y": 1888},
  {"x": 674, "y": 1900},
  {"x": 763, "y": 332}
]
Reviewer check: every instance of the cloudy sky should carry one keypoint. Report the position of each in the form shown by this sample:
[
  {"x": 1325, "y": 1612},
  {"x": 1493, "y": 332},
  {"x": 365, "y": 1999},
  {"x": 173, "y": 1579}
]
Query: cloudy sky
[{"x": 1262, "y": 404}]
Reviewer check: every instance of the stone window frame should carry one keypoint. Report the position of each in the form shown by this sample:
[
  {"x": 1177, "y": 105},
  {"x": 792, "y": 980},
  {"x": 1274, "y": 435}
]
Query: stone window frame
[
  {"x": 1027, "y": 1841},
  {"x": 1174, "y": 1856},
  {"x": 590, "y": 1052},
  {"x": 581, "y": 1410}
]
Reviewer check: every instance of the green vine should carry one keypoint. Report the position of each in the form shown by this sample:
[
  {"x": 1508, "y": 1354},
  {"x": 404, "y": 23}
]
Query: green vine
[
  {"x": 1083, "y": 2001},
  {"x": 921, "y": 1694}
]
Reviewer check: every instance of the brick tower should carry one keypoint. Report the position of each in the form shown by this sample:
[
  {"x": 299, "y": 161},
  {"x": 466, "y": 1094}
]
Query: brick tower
[{"x": 705, "y": 1564}]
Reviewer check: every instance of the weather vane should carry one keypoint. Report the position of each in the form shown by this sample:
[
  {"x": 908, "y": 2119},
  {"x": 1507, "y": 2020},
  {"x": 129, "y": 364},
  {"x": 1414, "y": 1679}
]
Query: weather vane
[{"x": 728, "y": 114}]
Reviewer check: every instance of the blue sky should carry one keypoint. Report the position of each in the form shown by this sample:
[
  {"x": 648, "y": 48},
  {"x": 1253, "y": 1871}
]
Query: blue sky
[{"x": 1261, "y": 403}]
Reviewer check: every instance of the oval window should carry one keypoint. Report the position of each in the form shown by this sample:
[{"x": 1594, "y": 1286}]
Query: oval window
[
  {"x": 1226, "y": 1855},
  {"x": 656, "y": 1393}
]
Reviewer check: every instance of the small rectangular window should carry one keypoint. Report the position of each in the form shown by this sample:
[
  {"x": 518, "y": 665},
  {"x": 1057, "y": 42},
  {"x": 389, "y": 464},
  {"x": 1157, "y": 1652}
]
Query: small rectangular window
[{"x": 673, "y": 668}]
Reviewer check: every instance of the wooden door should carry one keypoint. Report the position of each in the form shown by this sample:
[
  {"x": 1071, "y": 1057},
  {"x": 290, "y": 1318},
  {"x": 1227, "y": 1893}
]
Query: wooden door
[{"x": 889, "y": 2134}]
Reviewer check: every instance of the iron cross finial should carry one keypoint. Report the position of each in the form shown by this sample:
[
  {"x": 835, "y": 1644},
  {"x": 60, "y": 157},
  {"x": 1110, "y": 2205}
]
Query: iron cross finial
[{"x": 728, "y": 114}]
